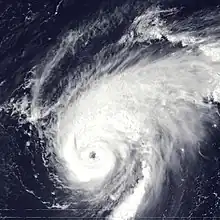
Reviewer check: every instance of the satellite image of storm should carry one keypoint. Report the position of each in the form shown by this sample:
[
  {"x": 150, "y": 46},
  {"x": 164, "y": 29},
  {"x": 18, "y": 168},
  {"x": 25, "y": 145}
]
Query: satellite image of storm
[{"x": 110, "y": 109}]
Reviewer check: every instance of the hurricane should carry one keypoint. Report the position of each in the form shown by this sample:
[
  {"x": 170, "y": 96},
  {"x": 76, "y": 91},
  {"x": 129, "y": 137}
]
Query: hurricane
[{"x": 115, "y": 125}]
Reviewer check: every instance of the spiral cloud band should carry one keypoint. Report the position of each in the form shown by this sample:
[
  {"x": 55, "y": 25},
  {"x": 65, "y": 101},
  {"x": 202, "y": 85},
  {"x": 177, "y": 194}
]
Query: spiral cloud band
[{"x": 132, "y": 113}]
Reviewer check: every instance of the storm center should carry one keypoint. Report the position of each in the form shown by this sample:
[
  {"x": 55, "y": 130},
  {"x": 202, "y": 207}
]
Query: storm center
[{"x": 92, "y": 155}]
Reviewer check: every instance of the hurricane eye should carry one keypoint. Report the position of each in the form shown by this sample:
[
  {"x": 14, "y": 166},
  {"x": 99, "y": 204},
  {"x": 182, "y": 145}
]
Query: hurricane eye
[{"x": 92, "y": 155}]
